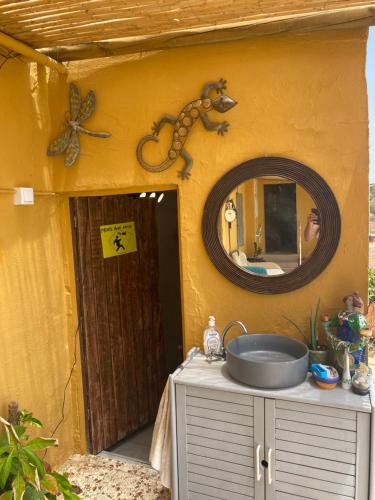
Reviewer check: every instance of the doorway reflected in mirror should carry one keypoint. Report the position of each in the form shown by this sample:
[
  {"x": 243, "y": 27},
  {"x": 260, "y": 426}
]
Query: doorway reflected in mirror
[{"x": 275, "y": 228}]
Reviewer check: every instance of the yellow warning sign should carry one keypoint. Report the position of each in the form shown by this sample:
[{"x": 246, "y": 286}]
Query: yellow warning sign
[{"x": 118, "y": 239}]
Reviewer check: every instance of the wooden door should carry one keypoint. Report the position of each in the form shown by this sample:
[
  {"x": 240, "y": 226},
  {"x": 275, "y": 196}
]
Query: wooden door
[
  {"x": 280, "y": 218},
  {"x": 122, "y": 342}
]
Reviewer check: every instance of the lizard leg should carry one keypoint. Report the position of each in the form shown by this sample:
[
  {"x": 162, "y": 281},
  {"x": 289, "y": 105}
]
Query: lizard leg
[
  {"x": 185, "y": 172},
  {"x": 220, "y": 127},
  {"x": 218, "y": 86},
  {"x": 163, "y": 120}
]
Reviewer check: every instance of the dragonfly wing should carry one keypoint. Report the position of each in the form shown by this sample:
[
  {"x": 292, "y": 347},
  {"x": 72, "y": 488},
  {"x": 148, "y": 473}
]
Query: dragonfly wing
[
  {"x": 60, "y": 144},
  {"x": 75, "y": 101},
  {"x": 72, "y": 151},
  {"x": 87, "y": 107}
]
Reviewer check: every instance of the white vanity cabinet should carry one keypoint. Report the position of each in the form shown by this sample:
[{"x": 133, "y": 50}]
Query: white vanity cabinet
[
  {"x": 233, "y": 442},
  {"x": 215, "y": 432}
]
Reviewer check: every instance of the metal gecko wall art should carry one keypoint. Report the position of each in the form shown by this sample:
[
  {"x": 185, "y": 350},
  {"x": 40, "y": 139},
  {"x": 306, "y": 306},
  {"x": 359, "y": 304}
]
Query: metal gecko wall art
[
  {"x": 80, "y": 111},
  {"x": 183, "y": 124}
]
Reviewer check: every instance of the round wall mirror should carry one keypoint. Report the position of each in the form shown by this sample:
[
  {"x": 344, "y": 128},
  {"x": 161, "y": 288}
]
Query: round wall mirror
[{"x": 271, "y": 225}]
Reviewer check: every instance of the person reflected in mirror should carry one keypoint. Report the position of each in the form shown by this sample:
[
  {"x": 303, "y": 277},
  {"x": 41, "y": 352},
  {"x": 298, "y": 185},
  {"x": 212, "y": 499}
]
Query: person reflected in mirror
[{"x": 312, "y": 228}]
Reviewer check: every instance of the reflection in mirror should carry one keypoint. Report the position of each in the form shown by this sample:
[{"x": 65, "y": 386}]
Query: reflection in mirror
[{"x": 269, "y": 226}]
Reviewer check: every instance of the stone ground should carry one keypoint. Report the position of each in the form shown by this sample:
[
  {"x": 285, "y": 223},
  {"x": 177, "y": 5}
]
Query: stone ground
[{"x": 103, "y": 478}]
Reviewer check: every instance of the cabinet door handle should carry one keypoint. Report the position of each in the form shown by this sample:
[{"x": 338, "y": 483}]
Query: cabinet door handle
[
  {"x": 259, "y": 475},
  {"x": 269, "y": 468}
]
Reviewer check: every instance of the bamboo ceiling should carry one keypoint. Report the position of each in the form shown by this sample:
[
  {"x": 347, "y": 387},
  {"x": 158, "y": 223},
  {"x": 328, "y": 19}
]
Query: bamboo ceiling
[{"x": 72, "y": 29}]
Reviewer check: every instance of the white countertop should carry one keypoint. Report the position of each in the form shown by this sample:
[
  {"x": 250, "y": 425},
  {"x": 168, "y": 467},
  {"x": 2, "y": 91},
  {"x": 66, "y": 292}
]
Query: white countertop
[{"x": 200, "y": 373}]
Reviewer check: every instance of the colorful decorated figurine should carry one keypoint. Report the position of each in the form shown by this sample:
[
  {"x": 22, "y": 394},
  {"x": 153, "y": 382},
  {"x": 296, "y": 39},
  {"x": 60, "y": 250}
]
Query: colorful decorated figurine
[{"x": 348, "y": 333}]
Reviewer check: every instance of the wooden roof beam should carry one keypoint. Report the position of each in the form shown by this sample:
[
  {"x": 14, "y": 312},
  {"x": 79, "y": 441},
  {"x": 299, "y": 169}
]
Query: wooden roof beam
[{"x": 23, "y": 49}]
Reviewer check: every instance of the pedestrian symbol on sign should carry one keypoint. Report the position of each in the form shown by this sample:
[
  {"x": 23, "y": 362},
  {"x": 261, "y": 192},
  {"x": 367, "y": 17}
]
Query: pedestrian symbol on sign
[{"x": 118, "y": 241}]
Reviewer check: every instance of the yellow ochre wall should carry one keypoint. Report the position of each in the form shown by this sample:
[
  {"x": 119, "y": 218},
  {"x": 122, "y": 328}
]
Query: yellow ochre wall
[
  {"x": 302, "y": 97},
  {"x": 35, "y": 300}
]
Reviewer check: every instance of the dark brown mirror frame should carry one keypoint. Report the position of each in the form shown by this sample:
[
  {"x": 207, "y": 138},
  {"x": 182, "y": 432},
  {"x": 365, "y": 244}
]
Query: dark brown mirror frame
[{"x": 329, "y": 234}]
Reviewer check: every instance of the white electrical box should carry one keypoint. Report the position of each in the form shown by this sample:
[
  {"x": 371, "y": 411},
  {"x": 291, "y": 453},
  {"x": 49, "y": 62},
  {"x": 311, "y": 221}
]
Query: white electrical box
[{"x": 24, "y": 196}]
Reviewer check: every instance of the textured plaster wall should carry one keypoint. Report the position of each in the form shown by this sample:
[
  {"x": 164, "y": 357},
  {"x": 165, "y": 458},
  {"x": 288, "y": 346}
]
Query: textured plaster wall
[
  {"x": 34, "y": 301},
  {"x": 303, "y": 97}
]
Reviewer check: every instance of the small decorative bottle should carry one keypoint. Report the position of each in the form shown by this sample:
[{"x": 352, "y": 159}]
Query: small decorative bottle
[
  {"x": 211, "y": 340},
  {"x": 346, "y": 379}
]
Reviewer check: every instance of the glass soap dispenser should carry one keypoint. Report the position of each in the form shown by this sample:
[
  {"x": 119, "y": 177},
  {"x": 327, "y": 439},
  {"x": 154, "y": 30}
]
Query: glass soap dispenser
[{"x": 211, "y": 340}]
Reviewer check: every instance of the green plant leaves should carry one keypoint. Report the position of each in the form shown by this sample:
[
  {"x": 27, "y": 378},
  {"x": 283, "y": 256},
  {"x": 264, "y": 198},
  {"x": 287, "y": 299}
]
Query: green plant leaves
[
  {"x": 65, "y": 487},
  {"x": 312, "y": 343},
  {"x": 8, "y": 495},
  {"x": 30, "y": 473},
  {"x": 3, "y": 439},
  {"x": 69, "y": 495},
  {"x": 5, "y": 469},
  {"x": 314, "y": 328},
  {"x": 34, "y": 459},
  {"x": 371, "y": 285},
  {"x": 49, "y": 484},
  {"x": 40, "y": 443},
  {"x": 26, "y": 417},
  {"x": 19, "y": 487},
  {"x": 299, "y": 329},
  {"x": 62, "y": 480},
  {"x": 22, "y": 469},
  {"x": 32, "y": 494}
]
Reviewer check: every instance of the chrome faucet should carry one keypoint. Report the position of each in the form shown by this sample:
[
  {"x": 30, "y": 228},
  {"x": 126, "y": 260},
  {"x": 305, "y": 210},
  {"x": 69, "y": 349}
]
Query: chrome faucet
[{"x": 226, "y": 330}]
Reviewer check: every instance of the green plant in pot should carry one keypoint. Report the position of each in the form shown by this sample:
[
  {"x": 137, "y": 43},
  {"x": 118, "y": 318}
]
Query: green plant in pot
[
  {"x": 257, "y": 250},
  {"x": 317, "y": 352},
  {"x": 23, "y": 473}
]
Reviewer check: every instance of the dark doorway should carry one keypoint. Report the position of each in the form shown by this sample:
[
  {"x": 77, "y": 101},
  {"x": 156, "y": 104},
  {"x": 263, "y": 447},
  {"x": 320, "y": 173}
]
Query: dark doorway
[
  {"x": 130, "y": 339},
  {"x": 280, "y": 218}
]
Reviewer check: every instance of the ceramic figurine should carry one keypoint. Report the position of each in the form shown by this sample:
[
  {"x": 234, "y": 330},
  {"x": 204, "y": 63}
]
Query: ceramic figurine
[
  {"x": 346, "y": 379},
  {"x": 351, "y": 322},
  {"x": 354, "y": 303}
]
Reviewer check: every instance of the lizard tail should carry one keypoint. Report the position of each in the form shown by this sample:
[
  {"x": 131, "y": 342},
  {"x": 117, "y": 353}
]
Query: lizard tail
[{"x": 151, "y": 168}]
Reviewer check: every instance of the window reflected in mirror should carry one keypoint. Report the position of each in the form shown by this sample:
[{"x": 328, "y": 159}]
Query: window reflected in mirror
[{"x": 269, "y": 226}]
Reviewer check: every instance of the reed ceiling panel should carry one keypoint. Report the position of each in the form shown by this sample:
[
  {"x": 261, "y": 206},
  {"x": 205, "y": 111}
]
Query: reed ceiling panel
[{"x": 48, "y": 24}]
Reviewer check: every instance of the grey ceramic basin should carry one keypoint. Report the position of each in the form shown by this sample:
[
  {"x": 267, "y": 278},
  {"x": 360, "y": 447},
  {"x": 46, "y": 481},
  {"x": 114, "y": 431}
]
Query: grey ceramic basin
[{"x": 267, "y": 361}]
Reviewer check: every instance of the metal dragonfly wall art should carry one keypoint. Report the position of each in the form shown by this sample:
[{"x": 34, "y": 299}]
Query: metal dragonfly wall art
[{"x": 80, "y": 111}]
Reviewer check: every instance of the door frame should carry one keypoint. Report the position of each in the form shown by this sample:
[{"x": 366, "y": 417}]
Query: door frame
[
  {"x": 81, "y": 323},
  {"x": 75, "y": 273}
]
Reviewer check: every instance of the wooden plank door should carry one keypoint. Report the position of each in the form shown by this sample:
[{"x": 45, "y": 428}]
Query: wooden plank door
[
  {"x": 122, "y": 343},
  {"x": 280, "y": 218}
]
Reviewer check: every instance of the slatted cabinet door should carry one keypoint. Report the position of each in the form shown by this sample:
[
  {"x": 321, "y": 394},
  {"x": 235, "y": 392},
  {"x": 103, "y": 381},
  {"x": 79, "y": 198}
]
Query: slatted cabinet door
[
  {"x": 218, "y": 433},
  {"x": 317, "y": 452}
]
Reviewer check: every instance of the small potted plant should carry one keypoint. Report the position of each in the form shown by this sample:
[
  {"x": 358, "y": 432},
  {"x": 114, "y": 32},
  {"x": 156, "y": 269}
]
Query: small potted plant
[
  {"x": 23, "y": 472},
  {"x": 258, "y": 250},
  {"x": 317, "y": 353}
]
